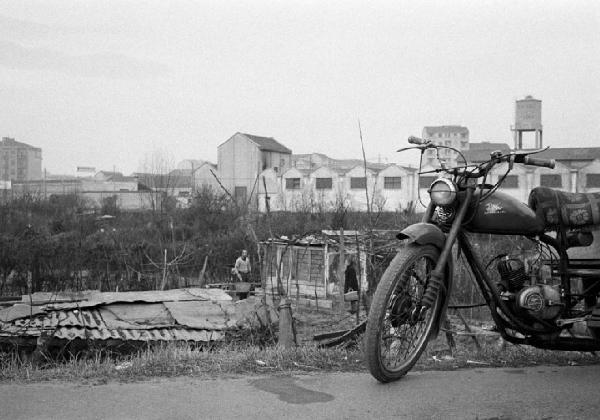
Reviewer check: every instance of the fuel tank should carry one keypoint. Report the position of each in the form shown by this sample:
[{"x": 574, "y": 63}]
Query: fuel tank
[{"x": 502, "y": 214}]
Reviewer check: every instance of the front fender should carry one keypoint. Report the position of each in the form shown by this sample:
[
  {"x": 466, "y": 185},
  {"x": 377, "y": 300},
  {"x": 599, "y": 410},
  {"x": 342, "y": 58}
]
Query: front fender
[
  {"x": 423, "y": 234},
  {"x": 430, "y": 234}
]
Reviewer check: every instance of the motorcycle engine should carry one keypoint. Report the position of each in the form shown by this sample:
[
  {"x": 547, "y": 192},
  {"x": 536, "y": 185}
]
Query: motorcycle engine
[{"x": 537, "y": 301}]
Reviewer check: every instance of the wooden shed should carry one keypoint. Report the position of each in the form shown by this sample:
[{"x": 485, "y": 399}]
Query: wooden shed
[{"x": 308, "y": 270}]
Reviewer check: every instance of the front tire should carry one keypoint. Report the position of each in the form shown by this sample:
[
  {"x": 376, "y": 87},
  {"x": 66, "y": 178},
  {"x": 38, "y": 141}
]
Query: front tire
[{"x": 398, "y": 329}]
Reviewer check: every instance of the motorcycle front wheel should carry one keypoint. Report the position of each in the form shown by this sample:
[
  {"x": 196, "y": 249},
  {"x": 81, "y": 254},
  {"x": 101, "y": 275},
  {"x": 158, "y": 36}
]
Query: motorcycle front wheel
[{"x": 398, "y": 327}]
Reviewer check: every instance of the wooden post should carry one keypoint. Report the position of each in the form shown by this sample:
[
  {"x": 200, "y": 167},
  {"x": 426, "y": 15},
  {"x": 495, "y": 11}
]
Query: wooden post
[
  {"x": 201, "y": 279},
  {"x": 358, "y": 278},
  {"x": 286, "y": 337},
  {"x": 164, "y": 278},
  {"x": 341, "y": 271},
  {"x": 296, "y": 277}
]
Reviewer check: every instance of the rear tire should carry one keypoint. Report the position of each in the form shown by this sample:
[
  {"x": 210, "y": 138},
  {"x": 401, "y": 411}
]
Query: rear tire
[{"x": 397, "y": 329}]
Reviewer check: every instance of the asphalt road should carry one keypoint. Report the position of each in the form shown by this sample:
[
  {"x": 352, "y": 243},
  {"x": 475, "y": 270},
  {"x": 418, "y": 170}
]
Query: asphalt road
[{"x": 536, "y": 393}]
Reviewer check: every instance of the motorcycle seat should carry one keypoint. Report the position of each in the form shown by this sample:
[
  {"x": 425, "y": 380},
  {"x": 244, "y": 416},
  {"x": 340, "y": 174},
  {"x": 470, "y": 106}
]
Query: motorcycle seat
[{"x": 571, "y": 210}]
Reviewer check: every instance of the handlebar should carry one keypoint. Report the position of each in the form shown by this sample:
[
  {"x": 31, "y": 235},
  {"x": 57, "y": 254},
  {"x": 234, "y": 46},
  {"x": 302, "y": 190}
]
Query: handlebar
[
  {"x": 481, "y": 170},
  {"x": 545, "y": 163}
]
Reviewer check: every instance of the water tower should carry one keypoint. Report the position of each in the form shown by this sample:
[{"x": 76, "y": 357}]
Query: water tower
[{"x": 528, "y": 117}]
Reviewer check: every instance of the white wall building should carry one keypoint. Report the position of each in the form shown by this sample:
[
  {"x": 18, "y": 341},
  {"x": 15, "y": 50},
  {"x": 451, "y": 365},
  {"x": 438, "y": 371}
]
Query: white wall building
[{"x": 324, "y": 188}]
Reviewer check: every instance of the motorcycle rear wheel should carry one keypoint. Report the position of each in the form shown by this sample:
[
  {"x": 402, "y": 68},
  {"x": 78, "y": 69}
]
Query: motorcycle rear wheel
[{"x": 397, "y": 328}]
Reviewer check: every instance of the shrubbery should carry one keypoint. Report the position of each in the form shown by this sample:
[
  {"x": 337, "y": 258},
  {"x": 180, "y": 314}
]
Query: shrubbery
[{"x": 59, "y": 244}]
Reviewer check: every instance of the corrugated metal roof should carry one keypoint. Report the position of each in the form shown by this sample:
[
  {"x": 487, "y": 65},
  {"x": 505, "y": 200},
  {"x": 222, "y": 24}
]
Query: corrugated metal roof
[
  {"x": 160, "y": 334},
  {"x": 199, "y": 315},
  {"x": 203, "y": 315},
  {"x": 18, "y": 311},
  {"x": 157, "y": 334},
  {"x": 90, "y": 324},
  {"x": 174, "y": 295}
]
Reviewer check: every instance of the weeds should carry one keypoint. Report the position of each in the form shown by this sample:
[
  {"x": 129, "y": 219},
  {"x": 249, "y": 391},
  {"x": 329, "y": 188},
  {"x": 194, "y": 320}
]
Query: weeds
[{"x": 172, "y": 359}]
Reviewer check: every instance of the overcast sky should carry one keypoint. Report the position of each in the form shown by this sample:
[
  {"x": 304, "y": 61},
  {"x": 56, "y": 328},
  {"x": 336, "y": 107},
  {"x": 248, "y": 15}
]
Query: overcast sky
[{"x": 105, "y": 84}]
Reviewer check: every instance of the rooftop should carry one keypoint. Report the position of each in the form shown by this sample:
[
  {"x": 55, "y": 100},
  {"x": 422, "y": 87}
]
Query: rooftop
[
  {"x": 10, "y": 142},
  {"x": 480, "y": 152},
  {"x": 340, "y": 165},
  {"x": 446, "y": 129},
  {"x": 267, "y": 144},
  {"x": 571, "y": 153}
]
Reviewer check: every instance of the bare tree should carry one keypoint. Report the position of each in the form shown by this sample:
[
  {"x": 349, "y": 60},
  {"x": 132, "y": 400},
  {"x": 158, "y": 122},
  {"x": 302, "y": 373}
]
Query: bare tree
[{"x": 160, "y": 181}]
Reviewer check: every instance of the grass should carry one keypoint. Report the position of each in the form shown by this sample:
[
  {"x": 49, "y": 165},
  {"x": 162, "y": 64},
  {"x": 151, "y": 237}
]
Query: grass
[
  {"x": 172, "y": 360},
  {"x": 182, "y": 360}
]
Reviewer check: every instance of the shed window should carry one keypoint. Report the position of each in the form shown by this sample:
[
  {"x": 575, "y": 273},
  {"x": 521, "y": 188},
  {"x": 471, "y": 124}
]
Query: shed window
[
  {"x": 292, "y": 183},
  {"x": 323, "y": 183},
  {"x": 425, "y": 181},
  {"x": 551, "y": 180},
  {"x": 592, "y": 180},
  {"x": 392, "y": 182},
  {"x": 358, "y": 182},
  {"x": 511, "y": 181}
]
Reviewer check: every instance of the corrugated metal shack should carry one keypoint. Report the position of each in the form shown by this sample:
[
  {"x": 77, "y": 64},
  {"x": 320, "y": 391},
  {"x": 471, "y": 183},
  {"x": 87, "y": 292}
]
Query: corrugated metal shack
[
  {"x": 195, "y": 314},
  {"x": 306, "y": 269}
]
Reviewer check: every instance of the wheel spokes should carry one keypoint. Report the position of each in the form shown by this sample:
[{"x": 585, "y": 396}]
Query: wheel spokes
[{"x": 405, "y": 320}]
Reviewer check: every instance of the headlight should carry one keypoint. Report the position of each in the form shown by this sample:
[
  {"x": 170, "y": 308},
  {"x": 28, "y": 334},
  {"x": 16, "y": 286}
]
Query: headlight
[{"x": 442, "y": 192}]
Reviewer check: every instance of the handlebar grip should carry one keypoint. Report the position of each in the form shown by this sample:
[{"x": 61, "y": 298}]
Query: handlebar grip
[
  {"x": 416, "y": 140},
  {"x": 546, "y": 163}
]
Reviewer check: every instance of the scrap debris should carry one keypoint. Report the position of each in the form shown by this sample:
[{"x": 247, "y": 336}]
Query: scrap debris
[{"x": 194, "y": 314}]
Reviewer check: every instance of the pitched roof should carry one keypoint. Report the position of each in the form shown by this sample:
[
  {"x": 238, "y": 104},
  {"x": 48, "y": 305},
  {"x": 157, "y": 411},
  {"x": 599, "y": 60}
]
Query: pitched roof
[
  {"x": 571, "y": 153},
  {"x": 10, "y": 142},
  {"x": 115, "y": 176},
  {"x": 480, "y": 152},
  {"x": 268, "y": 144},
  {"x": 308, "y": 155},
  {"x": 486, "y": 145},
  {"x": 446, "y": 129}
]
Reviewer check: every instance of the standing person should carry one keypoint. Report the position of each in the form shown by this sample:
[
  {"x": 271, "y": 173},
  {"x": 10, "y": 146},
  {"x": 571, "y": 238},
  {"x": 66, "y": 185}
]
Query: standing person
[
  {"x": 242, "y": 267},
  {"x": 351, "y": 282}
]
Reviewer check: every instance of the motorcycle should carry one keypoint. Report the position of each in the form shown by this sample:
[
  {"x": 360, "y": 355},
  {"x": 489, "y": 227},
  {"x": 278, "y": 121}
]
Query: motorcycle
[{"x": 535, "y": 302}]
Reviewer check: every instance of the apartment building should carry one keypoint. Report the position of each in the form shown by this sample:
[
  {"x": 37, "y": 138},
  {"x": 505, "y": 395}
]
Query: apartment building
[
  {"x": 454, "y": 136},
  {"x": 19, "y": 161}
]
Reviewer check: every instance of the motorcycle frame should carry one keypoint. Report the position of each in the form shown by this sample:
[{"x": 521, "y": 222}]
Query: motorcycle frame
[{"x": 545, "y": 336}]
